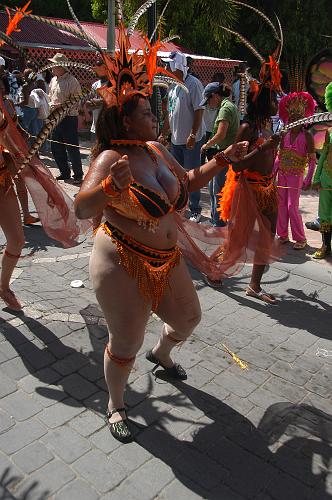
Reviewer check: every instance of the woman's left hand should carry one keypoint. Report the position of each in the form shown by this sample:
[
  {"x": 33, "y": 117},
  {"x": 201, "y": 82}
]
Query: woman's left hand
[{"x": 237, "y": 151}]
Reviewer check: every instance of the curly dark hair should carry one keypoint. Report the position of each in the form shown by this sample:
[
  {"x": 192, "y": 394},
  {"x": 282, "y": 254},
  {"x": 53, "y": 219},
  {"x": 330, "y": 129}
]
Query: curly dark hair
[
  {"x": 109, "y": 125},
  {"x": 259, "y": 111}
]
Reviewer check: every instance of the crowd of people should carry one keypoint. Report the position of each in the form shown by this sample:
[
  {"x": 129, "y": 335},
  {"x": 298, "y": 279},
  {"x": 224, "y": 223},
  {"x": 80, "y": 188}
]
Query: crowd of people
[{"x": 139, "y": 182}]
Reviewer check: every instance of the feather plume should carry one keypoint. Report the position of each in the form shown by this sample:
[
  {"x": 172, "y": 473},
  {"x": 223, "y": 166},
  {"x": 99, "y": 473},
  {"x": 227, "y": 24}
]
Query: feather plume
[
  {"x": 310, "y": 120},
  {"x": 66, "y": 27},
  {"x": 119, "y": 8},
  {"x": 281, "y": 39},
  {"x": 52, "y": 121},
  {"x": 73, "y": 15},
  {"x": 262, "y": 15},
  {"x": 169, "y": 38},
  {"x": 163, "y": 80},
  {"x": 246, "y": 43},
  {"x": 13, "y": 22},
  {"x": 159, "y": 20},
  {"x": 9, "y": 41},
  {"x": 134, "y": 20},
  {"x": 18, "y": 16},
  {"x": 68, "y": 64},
  {"x": 242, "y": 364}
]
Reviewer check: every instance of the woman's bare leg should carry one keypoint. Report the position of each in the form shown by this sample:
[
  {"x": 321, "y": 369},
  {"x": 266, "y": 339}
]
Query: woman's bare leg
[
  {"x": 10, "y": 222},
  {"x": 126, "y": 314},
  {"x": 258, "y": 269},
  {"x": 181, "y": 312},
  {"x": 22, "y": 194}
]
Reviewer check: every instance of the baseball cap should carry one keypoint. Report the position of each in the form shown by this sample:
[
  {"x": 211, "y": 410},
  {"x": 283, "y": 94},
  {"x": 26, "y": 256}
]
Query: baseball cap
[
  {"x": 2, "y": 61},
  {"x": 211, "y": 88}
]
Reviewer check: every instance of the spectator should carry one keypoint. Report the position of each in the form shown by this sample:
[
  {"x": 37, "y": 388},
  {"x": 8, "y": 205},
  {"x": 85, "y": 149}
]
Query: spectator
[
  {"x": 212, "y": 97},
  {"x": 96, "y": 103},
  {"x": 28, "y": 104},
  {"x": 190, "y": 63},
  {"x": 16, "y": 96},
  {"x": 63, "y": 86},
  {"x": 224, "y": 132},
  {"x": 184, "y": 121},
  {"x": 218, "y": 77}
]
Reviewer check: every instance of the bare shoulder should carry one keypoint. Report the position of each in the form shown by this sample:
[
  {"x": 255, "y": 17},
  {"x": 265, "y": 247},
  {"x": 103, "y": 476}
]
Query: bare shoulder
[
  {"x": 100, "y": 168},
  {"x": 243, "y": 133}
]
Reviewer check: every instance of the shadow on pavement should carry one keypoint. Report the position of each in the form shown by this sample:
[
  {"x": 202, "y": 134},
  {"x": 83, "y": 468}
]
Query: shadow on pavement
[
  {"x": 8, "y": 482},
  {"x": 302, "y": 311},
  {"x": 37, "y": 240},
  {"x": 223, "y": 455},
  {"x": 213, "y": 450}
]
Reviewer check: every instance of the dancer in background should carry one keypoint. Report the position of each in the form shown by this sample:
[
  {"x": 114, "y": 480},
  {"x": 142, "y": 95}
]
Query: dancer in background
[
  {"x": 323, "y": 182},
  {"x": 296, "y": 152}
]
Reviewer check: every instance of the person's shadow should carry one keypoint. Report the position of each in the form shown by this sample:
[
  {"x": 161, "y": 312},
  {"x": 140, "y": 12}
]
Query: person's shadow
[
  {"x": 222, "y": 455},
  {"x": 213, "y": 450},
  {"x": 295, "y": 310}
]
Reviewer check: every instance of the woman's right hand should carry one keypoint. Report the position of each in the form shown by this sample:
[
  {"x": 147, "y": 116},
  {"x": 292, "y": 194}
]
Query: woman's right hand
[{"x": 121, "y": 173}]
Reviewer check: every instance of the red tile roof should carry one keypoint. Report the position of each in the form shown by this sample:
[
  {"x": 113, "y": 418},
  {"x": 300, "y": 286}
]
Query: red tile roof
[{"x": 37, "y": 33}]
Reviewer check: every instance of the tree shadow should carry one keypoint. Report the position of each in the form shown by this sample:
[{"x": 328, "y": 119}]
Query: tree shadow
[
  {"x": 8, "y": 482},
  {"x": 223, "y": 455}
]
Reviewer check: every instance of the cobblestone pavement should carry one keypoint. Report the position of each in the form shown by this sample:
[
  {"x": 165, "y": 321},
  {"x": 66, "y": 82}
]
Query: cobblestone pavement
[{"x": 230, "y": 434}]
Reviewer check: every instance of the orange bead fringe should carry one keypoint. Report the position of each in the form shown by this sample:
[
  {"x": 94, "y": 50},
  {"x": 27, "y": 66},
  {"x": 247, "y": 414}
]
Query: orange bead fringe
[{"x": 148, "y": 266}]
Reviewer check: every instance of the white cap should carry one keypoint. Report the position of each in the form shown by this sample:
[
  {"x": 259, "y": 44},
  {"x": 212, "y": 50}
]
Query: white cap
[
  {"x": 2, "y": 61},
  {"x": 177, "y": 60}
]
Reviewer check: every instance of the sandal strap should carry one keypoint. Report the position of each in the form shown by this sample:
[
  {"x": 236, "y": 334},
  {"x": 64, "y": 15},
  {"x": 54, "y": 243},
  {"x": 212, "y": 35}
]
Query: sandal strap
[{"x": 115, "y": 410}]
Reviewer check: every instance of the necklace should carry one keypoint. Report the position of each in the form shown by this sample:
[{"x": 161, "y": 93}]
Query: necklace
[{"x": 140, "y": 144}]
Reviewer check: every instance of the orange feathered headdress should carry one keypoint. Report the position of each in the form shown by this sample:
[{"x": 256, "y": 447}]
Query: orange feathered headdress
[
  {"x": 14, "y": 20},
  {"x": 130, "y": 71}
]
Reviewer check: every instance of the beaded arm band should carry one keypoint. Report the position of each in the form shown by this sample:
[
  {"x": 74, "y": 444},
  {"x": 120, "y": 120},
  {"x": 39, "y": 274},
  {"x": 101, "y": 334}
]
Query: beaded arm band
[
  {"x": 3, "y": 124},
  {"x": 109, "y": 187},
  {"x": 222, "y": 160}
]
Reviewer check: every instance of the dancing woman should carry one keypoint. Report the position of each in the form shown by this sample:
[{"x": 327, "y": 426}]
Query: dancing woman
[
  {"x": 10, "y": 220},
  {"x": 136, "y": 266}
]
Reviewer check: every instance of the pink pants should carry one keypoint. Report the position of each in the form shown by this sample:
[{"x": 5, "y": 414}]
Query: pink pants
[{"x": 289, "y": 207}]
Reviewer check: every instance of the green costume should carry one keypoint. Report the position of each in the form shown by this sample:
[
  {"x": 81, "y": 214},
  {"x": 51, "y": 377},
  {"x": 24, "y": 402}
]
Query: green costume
[{"x": 323, "y": 175}]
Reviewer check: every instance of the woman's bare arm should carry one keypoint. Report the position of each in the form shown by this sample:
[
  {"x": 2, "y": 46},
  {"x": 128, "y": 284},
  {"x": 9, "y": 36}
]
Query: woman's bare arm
[
  {"x": 197, "y": 177},
  {"x": 91, "y": 199}
]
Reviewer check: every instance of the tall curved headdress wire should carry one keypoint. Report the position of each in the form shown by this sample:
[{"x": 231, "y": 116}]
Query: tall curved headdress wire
[
  {"x": 270, "y": 75},
  {"x": 128, "y": 71}
]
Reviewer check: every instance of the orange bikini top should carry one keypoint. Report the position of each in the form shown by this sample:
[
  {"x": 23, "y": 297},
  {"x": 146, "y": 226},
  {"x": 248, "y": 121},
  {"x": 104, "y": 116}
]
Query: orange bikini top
[{"x": 147, "y": 206}]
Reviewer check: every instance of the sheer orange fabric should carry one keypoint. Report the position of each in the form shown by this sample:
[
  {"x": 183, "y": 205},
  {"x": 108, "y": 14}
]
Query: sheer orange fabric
[{"x": 222, "y": 252}]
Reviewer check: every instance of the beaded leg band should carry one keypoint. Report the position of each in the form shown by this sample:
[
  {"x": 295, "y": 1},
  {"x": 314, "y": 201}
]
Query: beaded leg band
[
  {"x": 171, "y": 338},
  {"x": 11, "y": 255},
  {"x": 118, "y": 361}
]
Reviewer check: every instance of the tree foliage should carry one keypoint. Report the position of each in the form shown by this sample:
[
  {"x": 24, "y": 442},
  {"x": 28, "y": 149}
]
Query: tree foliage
[
  {"x": 198, "y": 24},
  {"x": 57, "y": 8},
  {"x": 196, "y": 21},
  {"x": 303, "y": 28}
]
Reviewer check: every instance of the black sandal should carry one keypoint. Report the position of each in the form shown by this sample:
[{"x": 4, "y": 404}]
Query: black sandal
[
  {"x": 176, "y": 371},
  {"x": 120, "y": 429}
]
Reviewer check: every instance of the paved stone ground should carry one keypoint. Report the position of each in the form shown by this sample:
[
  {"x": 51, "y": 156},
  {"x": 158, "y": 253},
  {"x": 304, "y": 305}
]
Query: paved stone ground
[{"x": 264, "y": 433}]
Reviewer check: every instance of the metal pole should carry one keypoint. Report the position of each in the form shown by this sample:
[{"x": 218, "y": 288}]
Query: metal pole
[
  {"x": 152, "y": 21},
  {"x": 111, "y": 26}
]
